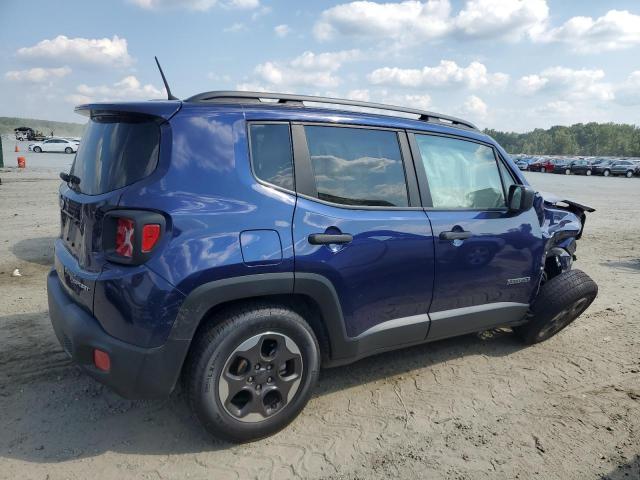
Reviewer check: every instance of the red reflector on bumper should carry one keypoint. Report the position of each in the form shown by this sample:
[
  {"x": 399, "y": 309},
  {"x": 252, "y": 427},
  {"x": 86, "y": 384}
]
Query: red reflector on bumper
[{"x": 101, "y": 360}]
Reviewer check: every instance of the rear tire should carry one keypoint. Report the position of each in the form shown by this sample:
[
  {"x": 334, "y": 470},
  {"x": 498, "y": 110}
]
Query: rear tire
[
  {"x": 629, "y": 174},
  {"x": 559, "y": 302},
  {"x": 606, "y": 173},
  {"x": 68, "y": 150},
  {"x": 271, "y": 388},
  {"x": 588, "y": 173},
  {"x": 567, "y": 172}
]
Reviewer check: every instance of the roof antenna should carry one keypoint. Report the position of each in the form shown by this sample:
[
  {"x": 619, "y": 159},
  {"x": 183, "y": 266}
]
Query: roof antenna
[{"x": 166, "y": 85}]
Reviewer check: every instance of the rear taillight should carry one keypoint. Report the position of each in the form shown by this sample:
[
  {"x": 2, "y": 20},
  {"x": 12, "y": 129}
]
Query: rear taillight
[
  {"x": 129, "y": 236},
  {"x": 150, "y": 236},
  {"x": 124, "y": 237}
]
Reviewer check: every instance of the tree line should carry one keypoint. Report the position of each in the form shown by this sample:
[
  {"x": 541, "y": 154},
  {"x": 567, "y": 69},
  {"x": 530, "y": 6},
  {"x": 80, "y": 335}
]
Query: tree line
[{"x": 588, "y": 139}]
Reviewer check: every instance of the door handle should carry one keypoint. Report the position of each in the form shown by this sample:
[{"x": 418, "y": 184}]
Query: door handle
[
  {"x": 455, "y": 235},
  {"x": 328, "y": 239}
]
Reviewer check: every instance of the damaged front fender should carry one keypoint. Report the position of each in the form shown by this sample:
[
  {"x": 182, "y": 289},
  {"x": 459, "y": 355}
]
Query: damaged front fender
[{"x": 562, "y": 223}]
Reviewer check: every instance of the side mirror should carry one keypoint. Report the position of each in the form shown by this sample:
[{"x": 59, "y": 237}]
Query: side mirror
[{"x": 520, "y": 198}]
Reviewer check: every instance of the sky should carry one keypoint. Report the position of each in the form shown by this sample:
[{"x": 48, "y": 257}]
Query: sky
[{"x": 512, "y": 65}]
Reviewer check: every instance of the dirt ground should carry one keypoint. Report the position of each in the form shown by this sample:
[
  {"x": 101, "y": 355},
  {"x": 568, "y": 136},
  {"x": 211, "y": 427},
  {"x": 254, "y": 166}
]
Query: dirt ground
[{"x": 476, "y": 407}]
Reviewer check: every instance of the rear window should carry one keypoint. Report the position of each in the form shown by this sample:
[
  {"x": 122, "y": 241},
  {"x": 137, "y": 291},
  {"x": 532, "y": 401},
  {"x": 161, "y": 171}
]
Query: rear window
[
  {"x": 115, "y": 152},
  {"x": 271, "y": 153}
]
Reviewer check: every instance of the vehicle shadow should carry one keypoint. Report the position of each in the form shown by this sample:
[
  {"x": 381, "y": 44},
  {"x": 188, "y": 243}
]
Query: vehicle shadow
[
  {"x": 35, "y": 250},
  {"x": 631, "y": 266},
  {"x": 626, "y": 471},
  {"x": 53, "y": 412}
]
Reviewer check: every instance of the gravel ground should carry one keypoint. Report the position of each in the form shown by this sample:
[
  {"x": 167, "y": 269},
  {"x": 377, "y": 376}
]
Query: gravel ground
[{"x": 476, "y": 407}]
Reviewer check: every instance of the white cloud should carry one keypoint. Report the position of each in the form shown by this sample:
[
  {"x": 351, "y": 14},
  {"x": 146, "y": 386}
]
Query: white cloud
[
  {"x": 96, "y": 51},
  {"x": 384, "y": 96},
  {"x": 331, "y": 61},
  {"x": 530, "y": 84},
  {"x": 475, "y": 107},
  {"x": 282, "y": 30},
  {"x": 236, "y": 27},
  {"x": 243, "y": 4},
  {"x": 511, "y": 18},
  {"x": 309, "y": 69},
  {"x": 412, "y": 20},
  {"x": 37, "y": 75},
  {"x": 129, "y": 88},
  {"x": 385, "y": 20},
  {"x": 577, "y": 85},
  {"x": 361, "y": 95},
  {"x": 446, "y": 73},
  {"x": 628, "y": 93},
  {"x": 196, "y": 5},
  {"x": 616, "y": 30}
]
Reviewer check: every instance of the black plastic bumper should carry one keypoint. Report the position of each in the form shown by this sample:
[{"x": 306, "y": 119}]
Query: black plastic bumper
[{"x": 135, "y": 372}]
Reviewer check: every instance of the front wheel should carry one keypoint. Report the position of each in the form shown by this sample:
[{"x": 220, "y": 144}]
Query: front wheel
[
  {"x": 252, "y": 371},
  {"x": 629, "y": 174},
  {"x": 559, "y": 302},
  {"x": 588, "y": 173},
  {"x": 606, "y": 173},
  {"x": 567, "y": 172},
  {"x": 37, "y": 149}
]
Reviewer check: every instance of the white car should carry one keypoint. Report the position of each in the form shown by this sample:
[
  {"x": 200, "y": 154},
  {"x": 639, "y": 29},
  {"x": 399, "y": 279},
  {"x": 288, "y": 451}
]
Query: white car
[{"x": 55, "y": 145}]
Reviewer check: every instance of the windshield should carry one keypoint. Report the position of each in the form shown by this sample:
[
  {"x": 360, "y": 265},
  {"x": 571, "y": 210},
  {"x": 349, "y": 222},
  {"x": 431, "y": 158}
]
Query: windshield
[{"x": 115, "y": 151}]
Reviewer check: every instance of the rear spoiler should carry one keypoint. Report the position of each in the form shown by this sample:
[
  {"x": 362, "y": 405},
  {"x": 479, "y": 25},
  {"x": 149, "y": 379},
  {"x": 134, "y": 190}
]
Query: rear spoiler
[{"x": 164, "y": 109}]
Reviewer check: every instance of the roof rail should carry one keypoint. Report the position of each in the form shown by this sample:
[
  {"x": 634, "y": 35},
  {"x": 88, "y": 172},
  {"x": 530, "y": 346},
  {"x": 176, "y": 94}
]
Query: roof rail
[{"x": 297, "y": 100}]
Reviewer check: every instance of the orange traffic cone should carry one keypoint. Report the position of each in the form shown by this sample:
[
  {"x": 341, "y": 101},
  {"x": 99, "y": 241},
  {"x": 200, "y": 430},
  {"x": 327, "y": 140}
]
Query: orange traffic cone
[
  {"x": 22, "y": 162},
  {"x": 17, "y": 149}
]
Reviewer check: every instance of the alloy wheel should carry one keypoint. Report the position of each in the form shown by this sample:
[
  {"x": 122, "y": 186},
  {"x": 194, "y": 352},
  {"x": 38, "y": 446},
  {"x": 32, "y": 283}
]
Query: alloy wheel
[
  {"x": 260, "y": 377},
  {"x": 564, "y": 318}
]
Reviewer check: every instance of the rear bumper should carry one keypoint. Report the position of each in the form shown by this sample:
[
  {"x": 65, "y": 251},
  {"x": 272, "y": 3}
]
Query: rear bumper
[{"x": 136, "y": 372}]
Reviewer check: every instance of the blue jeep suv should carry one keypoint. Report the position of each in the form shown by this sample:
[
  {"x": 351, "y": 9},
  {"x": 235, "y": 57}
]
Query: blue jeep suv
[{"x": 239, "y": 241}]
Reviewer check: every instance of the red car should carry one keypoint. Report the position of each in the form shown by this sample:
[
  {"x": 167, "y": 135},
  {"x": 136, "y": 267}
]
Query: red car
[{"x": 544, "y": 165}]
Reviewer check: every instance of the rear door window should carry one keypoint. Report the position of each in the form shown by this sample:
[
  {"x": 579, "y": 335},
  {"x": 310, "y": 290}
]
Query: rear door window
[
  {"x": 115, "y": 152},
  {"x": 357, "y": 166}
]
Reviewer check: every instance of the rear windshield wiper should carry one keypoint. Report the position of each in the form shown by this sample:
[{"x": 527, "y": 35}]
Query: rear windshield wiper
[{"x": 70, "y": 179}]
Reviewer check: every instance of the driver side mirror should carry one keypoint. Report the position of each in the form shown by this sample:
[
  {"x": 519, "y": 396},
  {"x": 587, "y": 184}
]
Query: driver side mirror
[{"x": 520, "y": 198}]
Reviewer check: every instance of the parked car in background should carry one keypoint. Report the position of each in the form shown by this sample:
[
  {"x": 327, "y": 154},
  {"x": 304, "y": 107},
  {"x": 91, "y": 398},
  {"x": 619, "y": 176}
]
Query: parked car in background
[
  {"x": 55, "y": 145},
  {"x": 523, "y": 164},
  {"x": 562, "y": 165},
  {"x": 544, "y": 165},
  {"x": 28, "y": 133},
  {"x": 623, "y": 167},
  {"x": 602, "y": 166},
  {"x": 580, "y": 167}
]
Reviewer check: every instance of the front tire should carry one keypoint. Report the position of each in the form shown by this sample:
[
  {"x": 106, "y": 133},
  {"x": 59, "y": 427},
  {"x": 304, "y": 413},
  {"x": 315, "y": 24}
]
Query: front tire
[
  {"x": 606, "y": 173},
  {"x": 588, "y": 173},
  {"x": 629, "y": 174},
  {"x": 37, "y": 149},
  {"x": 567, "y": 172},
  {"x": 559, "y": 302},
  {"x": 251, "y": 371}
]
